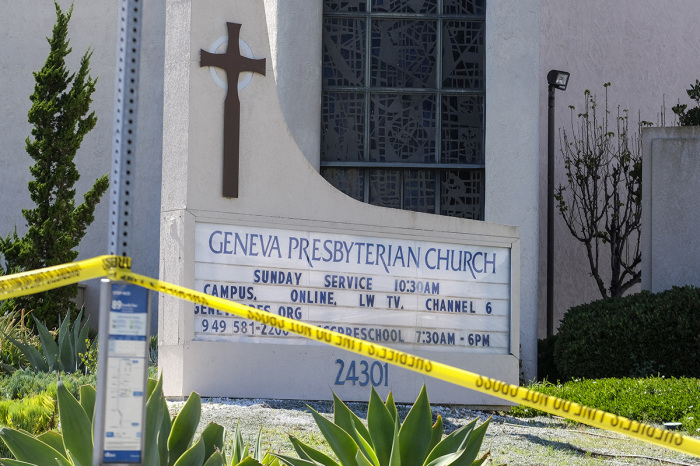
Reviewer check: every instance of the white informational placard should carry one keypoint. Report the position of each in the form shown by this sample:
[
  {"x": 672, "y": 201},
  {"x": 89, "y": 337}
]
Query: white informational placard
[
  {"x": 396, "y": 292},
  {"x": 125, "y": 381}
]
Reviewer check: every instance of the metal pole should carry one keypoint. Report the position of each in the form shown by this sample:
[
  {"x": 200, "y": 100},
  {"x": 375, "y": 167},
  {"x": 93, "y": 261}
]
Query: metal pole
[
  {"x": 550, "y": 213},
  {"x": 122, "y": 172}
]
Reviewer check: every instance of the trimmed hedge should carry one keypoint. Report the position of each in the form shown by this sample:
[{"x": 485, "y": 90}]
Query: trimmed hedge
[{"x": 645, "y": 334}]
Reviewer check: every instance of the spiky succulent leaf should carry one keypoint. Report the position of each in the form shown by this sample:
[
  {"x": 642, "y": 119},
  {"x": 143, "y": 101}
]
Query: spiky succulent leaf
[
  {"x": 416, "y": 432},
  {"x": 194, "y": 456},
  {"x": 380, "y": 424},
  {"x": 34, "y": 357},
  {"x": 296, "y": 461},
  {"x": 438, "y": 430},
  {"x": 391, "y": 406},
  {"x": 455, "y": 442},
  {"x": 184, "y": 427},
  {"x": 348, "y": 421},
  {"x": 311, "y": 454},
  {"x": 365, "y": 448},
  {"x": 473, "y": 445},
  {"x": 342, "y": 444},
  {"x": 362, "y": 459},
  {"x": 66, "y": 348},
  {"x": 54, "y": 440},
  {"x": 213, "y": 436},
  {"x": 76, "y": 426},
  {"x": 31, "y": 450},
  {"x": 9, "y": 462},
  {"x": 88, "y": 394},
  {"x": 154, "y": 415},
  {"x": 216, "y": 459},
  {"x": 48, "y": 345}
]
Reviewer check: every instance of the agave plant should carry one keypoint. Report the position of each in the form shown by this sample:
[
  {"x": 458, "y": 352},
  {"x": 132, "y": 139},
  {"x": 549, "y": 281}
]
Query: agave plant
[
  {"x": 63, "y": 356},
  {"x": 386, "y": 442},
  {"x": 167, "y": 442}
]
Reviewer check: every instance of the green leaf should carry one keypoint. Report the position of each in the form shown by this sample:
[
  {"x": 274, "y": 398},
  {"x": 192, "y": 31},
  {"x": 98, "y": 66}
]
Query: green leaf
[
  {"x": 340, "y": 441},
  {"x": 88, "y": 395},
  {"x": 361, "y": 459},
  {"x": 436, "y": 436},
  {"x": 66, "y": 347},
  {"x": 53, "y": 439},
  {"x": 391, "y": 406},
  {"x": 75, "y": 461},
  {"x": 31, "y": 450},
  {"x": 348, "y": 421},
  {"x": 473, "y": 445},
  {"x": 77, "y": 427},
  {"x": 154, "y": 415},
  {"x": 295, "y": 461},
  {"x": 184, "y": 427},
  {"x": 194, "y": 456},
  {"x": 416, "y": 432},
  {"x": 309, "y": 453},
  {"x": 9, "y": 462},
  {"x": 35, "y": 358},
  {"x": 259, "y": 454},
  {"x": 455, "y": 442},
  {"x": 395, "y": 459},
  {"x": 213, "y": 436},
  {"x": 165, "y": 427},
  {"x": 48, "y": 345},
  {"x": 216, "y": 459},
  {"x": 366, "y": 449},
  {"x": 380, "y": 424},
  {"x": 249, "y": 461}
]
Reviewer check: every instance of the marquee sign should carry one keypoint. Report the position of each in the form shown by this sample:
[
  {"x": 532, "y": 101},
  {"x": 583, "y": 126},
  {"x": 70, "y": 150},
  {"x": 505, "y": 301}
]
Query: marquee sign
[{"x": 396, "y": 292}]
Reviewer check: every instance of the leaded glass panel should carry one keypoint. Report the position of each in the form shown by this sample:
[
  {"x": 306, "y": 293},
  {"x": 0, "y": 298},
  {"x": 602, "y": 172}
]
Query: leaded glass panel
[
  {"x": 344, "y": 52},
  {"x": 344, "y": 5},
  {"x": 419, "y": 190},
  {"x": 462, "y": 129},
  {"x": 405, "y": 6},
  {"x": 464, "y": 7},
  {"x": 342, "y": 126},
  {"x": 403, "y": 53},
  {"x": 385, "y": 188},
  {"x": 402, "y": 128},
  {"x": 463, "y": 55},
  {"x": 403, "y": 103},
  {"x": 349, "y": 181},
  {"x": 462, "y": 194}
]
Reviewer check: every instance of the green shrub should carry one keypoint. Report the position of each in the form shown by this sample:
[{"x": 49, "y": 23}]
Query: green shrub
[
  {"x": 167, "y": 442},
  {"x": 653, "y": 399},
  {"x": 387, "y": 442},
  {"x": 641, "y": 335},
  {"x": 26, "y": 382},
  {"x": 12, "y": 326},
  {"x": 63, "y": 356},
  {"x": 689, "y": 117},
  {"x": 33, "y": 414}
]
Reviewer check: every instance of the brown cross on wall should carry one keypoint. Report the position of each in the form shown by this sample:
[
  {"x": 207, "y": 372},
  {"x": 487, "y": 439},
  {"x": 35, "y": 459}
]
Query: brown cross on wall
[{"x": 233, "y": 63}]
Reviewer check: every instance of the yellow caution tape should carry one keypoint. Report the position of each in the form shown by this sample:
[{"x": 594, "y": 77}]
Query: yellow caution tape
[
  {"x": 514, "y": 393},
  {"x": 36, "y": 281},
  {"x": 118, "y": 268}
]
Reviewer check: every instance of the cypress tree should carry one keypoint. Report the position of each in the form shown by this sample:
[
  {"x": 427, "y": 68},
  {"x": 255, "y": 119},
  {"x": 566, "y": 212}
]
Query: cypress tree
[{"x": 60, "y": 117}]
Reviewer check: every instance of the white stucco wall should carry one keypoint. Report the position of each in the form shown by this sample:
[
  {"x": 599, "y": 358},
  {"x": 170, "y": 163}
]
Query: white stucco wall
[
  {"x": 24, "y": 27},
  {"x": 647, "y": 50},
  {"x": 512, "y": 66}
]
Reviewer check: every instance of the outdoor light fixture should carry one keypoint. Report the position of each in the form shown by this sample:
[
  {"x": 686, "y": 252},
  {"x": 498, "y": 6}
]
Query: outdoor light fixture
[{"x": 556, "y": 80}]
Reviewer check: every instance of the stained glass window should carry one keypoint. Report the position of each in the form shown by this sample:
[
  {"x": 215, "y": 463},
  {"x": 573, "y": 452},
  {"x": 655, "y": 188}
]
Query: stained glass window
[{"x": 403, "y": 103}]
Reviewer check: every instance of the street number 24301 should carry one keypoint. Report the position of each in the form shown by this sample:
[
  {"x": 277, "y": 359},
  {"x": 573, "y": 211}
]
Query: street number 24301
[{"x": 362, "y": 373}]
